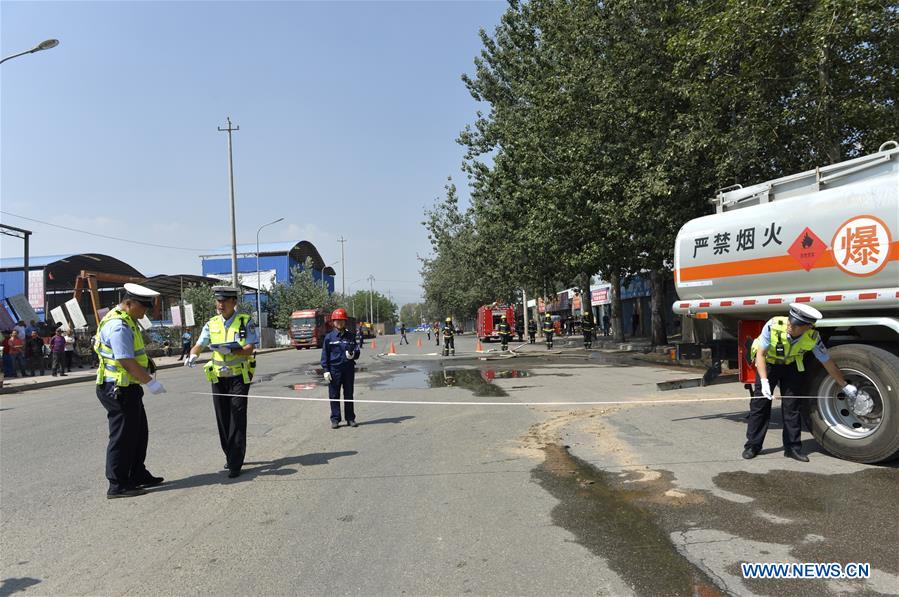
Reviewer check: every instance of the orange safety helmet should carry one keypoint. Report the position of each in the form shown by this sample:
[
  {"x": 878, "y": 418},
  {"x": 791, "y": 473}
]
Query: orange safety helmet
[{"x": 338, "y": 314}]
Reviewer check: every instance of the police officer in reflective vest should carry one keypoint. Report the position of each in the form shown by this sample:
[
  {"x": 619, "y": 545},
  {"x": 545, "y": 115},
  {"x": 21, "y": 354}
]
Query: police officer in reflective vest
[
  {"x": 124, "y": 366},
  {"x": 778, "y": 356},
  {"x": 504, "y": 333},
  {"x": 339, "y": 354},
  {"x": 532, "y": 331},
  {"x": 587, "y": 328},
  {"x": 548, "y": 330},
  {"x": 233, "y": 338},
  {"x": 449, "y": 335}
]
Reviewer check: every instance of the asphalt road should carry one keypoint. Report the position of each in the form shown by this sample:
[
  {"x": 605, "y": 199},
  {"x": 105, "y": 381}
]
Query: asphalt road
[{"x": 425, "y": 499}]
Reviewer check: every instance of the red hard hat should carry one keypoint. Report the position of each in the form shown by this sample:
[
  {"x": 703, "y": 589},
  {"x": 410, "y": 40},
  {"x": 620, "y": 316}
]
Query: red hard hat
[{"x": 338, "y": 314}]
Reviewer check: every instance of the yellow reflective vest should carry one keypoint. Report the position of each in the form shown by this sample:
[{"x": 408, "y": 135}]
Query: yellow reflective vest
[
  {"x": 109, "y": 366},
  {"x": 781, "y": 351},
  {"x": 229, "y": 365}
]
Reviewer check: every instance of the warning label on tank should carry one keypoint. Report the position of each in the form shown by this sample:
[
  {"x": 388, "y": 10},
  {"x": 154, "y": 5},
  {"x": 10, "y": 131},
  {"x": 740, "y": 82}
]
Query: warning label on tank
[
  {"x": 807, "y": 249},
  {"x": 861, "y": 246}
]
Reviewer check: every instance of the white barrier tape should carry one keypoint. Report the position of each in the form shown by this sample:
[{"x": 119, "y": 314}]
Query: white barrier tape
[{"x": 479, "y": 403}]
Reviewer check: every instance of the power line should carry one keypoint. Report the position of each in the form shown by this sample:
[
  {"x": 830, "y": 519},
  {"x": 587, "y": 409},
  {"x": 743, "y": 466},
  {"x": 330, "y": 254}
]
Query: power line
[{"x": 124, "y": 240}]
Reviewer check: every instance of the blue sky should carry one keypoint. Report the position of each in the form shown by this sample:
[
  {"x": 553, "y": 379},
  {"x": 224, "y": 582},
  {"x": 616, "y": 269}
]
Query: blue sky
[{"x": 348, "y": 116}]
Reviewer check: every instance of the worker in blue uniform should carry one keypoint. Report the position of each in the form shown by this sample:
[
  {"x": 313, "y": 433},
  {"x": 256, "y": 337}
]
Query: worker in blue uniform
[{"x": 339, "y": 354}]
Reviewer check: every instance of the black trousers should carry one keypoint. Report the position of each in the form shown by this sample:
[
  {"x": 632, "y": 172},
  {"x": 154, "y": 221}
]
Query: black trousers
[
  {"x": 532, "y": 336},
  {"x": 128, "y": 434},
  {"x": 449, "y": 344},
  {"x": 588, "y": 338},
  {"x": 185, "y": 350},
  {"x": 344, "y": 377},
  {"x": 231, "y": 416},
  {"x": 549, "y": 339},
  {"x": 790, "y": 381}
]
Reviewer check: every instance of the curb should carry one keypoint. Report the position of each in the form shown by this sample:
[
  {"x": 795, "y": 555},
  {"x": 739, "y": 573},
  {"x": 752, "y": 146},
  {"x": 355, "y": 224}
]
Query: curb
[{"x": 92, "y": 378}]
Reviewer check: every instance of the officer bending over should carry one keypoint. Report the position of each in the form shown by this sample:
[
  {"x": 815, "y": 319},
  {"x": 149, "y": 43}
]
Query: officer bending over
[{"x": 778, "y": 356}]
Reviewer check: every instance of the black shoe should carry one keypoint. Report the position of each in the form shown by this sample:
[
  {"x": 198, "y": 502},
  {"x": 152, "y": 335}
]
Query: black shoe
[
  {"x": 234, "y": 472},
  {"x": 750, "y": 453},
  {"x": 335, "y": 424},
  {"x": 124, "y": 493},
  {"x": 352, "y": 423},
  {"x": 796, "y": 455},
  {"x": 149, "y": 481}
]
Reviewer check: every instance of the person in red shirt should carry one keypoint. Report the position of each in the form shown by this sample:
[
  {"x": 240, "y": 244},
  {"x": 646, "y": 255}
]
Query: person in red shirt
[{"x": 14, "y": 347}]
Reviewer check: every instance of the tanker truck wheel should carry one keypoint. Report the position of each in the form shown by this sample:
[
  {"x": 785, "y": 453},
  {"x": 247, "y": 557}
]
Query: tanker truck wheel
[{"x": 844, "y": 429}]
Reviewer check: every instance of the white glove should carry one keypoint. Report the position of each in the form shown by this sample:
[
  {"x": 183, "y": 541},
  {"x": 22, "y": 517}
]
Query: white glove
[
  {"x": 223, "y": 350},
  {"x": 155, "y": 387},
  {"x": 850, "y": 390},
  {"x": 766, "y": 390},
  {"x": 191, "y": 360},
  {"x": 349, "y": 355},
  {"x": 328, "y": 376}
]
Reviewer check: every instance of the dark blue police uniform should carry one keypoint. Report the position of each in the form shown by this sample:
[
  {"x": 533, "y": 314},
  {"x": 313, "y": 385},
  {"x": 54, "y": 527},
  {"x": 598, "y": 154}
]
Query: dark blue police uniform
[{"x": 343, "y": 371}]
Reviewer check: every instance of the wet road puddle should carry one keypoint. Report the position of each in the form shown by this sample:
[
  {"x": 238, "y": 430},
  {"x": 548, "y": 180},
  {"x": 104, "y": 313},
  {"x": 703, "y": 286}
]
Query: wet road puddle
[
  {"x": 478, "y": 381},
  {"x": 607, "y": 521}
]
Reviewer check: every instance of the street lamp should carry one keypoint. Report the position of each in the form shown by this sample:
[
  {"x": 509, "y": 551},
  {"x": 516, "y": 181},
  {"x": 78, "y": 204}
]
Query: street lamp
[
  {"x": 44, "y": 45},
  {"x": 258, "y": 275}
]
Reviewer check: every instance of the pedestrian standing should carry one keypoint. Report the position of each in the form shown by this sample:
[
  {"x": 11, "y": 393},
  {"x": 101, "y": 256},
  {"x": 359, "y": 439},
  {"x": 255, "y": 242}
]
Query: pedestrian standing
[
  {"x": 7, "y": 358},
  {"x": 548, "y": 330},
  {"x": 532, "y": 331},
  {"x": 338, "y": 361},
  {"x": 449, "y": 338},
  {"x": 31, "y": 327},
  {"x": 437, "y": 332},
  {"x": 519, "y": 328},
  {"x": 34, "y": 353},
  {"x": 587, "y": 329},
  {"x": 69, "y": 350},
  {"x": 185, "y": 344},
  {"x": 778, "y": 357},
  {"x": 403, "y": 333},
  {"x": 429, "y": 332},
  {"x": 232, "y": 336},
  {"x": 20, "y": 328},
  {"x": 606, "y": 324},
  {"x": 16, "y": 348},
  {"x": 635, "y": 322},
  {"x": 124, "y": 366},
  {"x": 504, "y": 333},
  {"x": 58, "y": 353}
]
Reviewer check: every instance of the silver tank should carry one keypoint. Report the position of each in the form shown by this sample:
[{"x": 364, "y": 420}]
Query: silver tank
[{"x": 829, "y": 229}]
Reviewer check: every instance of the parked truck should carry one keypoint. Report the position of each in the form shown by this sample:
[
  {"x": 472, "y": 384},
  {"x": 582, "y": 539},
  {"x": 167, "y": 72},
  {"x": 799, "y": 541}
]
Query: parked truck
[
  {"x": 828, "y": 237},
  {"x": 308, "y": 327},
  {"x": 489, "y": 317}
]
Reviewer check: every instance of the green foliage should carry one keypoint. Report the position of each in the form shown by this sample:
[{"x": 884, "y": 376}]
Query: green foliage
[
  {"x": 609, "y": 125},
  {"x": 302, "y": 292},
  {"x": 363, "y": 301}
]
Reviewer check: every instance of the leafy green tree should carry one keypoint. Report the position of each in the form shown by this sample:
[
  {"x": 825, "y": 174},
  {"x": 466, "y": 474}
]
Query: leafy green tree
[{"x": 302, "y": 292}]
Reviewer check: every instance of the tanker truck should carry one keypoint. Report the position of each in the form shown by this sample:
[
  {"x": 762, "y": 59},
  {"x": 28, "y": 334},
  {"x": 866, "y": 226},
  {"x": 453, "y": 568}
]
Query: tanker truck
[{"x": 829, "y": 238}]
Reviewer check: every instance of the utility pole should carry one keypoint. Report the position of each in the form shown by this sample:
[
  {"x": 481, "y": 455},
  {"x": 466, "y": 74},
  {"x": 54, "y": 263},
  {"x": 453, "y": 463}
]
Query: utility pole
[
  {"x": 371, "y": 299},
  {"x": 342, "y": 240},
  {"x": 229, "y": 130}
]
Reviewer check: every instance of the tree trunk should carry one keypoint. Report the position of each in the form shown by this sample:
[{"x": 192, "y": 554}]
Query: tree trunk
[
  {"x": 657, "y": 286},
  {"x": 617, "y": 324},
  {"x": 586, "y": 305}
]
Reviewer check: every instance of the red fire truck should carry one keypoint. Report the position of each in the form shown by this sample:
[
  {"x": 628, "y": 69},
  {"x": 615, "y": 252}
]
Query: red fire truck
[
  {"x": 308, "y": 327},
  {"x": 488, "y": 320}
]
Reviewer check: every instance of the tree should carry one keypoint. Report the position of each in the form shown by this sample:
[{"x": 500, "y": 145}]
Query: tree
[
  {"x": 302, "y": 292},
  {"x": 412, "y": 314},
  {"x": 203, "y": 301}
]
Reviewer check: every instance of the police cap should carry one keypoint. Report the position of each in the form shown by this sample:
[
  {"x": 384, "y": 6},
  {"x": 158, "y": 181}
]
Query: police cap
[
  {"x": 141, "y": 294},
  {"x": 224, "y": 292},
  {"x": 804, "y": 314}
]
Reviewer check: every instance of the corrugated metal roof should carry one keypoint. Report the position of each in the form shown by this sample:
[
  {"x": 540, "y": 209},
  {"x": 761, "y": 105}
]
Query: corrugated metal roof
[
  {"x": 34, "y": 261},
  {"x": 280, "y": 247}
]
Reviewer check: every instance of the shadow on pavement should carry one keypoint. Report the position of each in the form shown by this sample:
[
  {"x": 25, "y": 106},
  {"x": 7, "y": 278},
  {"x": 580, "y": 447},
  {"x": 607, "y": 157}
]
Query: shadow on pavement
[
  {"x": 386, "y": 420},
  {"x": 8, "y": 586},
  {"x": 252, "y": 470}
]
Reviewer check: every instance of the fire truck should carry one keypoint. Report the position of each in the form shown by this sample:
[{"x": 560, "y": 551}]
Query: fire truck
[
  {"x": 489, "y": 317},
  {"x": 829, "y": 238},
  {"x": 308, "y": 327}
]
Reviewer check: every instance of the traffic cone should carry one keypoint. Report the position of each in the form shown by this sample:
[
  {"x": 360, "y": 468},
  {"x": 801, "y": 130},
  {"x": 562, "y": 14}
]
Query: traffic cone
[
  {"x": 374, "y": 345},
  {"x": 418, "y": 343},
  {"x": 392, "y": 348},
  {"x": 478, "y": 347}
]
